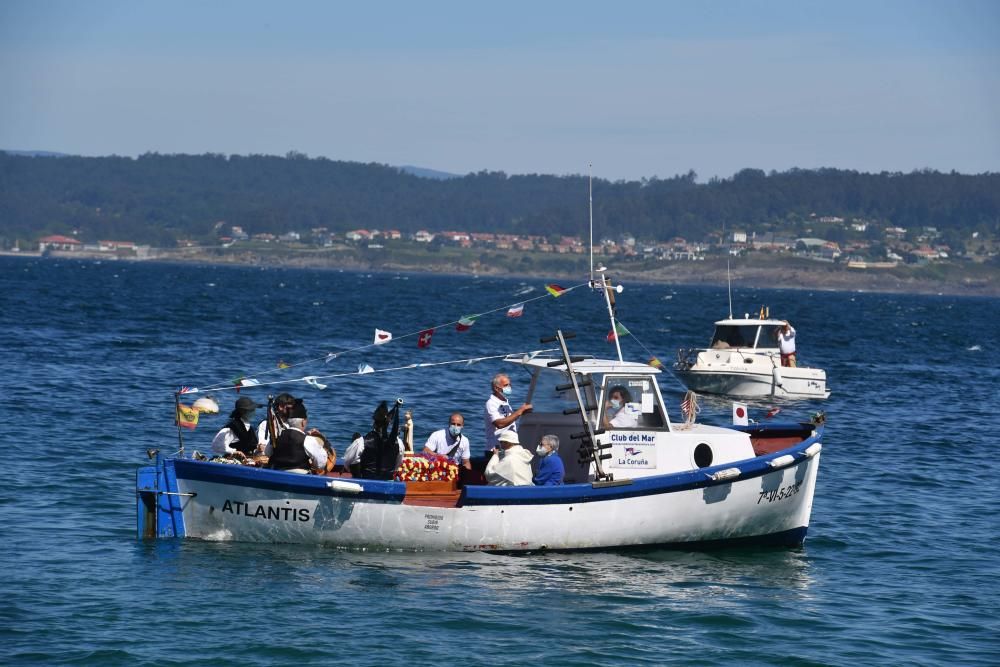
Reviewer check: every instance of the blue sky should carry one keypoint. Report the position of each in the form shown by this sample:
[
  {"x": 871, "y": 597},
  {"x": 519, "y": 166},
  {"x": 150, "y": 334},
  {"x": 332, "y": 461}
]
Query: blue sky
[{"x": 638, "y": 89}]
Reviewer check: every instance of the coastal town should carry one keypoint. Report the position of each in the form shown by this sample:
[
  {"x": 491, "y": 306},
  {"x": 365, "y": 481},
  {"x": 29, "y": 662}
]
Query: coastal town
[{"x": 861, "y": 244}]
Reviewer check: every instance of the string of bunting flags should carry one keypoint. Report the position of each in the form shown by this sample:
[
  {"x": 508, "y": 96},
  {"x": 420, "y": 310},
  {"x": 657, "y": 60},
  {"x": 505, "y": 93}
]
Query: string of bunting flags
[{"x": 424, "y": 337}]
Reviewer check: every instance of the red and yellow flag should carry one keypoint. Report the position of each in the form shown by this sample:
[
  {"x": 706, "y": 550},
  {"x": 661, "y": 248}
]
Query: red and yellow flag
[
  {"x": 187, "y": 416},
  {"x": 555, "y": 290}
]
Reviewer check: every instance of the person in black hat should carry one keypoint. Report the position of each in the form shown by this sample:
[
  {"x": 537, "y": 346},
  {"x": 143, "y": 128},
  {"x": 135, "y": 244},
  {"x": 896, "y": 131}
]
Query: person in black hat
[
  {"x": 277, "y": 420},
  {"x": 301, "y": 451},
  {"x": 236, "y": 439}
]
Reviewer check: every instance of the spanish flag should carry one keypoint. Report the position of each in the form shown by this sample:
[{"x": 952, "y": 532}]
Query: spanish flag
[
  {"x": 555, "y": 290},
  {"x": 655, "y": 363},
  {"x": 187, "y": 416}
]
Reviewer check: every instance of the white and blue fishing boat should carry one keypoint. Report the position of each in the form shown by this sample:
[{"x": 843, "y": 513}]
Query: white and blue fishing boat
[{"x": 657, "y": 483}]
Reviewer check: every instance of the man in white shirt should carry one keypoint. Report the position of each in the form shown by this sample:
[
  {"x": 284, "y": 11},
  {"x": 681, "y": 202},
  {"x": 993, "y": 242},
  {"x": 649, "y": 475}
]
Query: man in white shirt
[
  {"x": 786, "y": 344},
  {"x": 511, "y": 463},
  {"x": 451, "y": 443},
  {"x": 499, "y": 414}
]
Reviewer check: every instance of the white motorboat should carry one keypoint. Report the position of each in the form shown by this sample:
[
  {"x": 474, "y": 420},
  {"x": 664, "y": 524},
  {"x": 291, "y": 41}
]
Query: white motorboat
[
  {"x": 743, "y": 360},
  {"x": 653, "y": 483}
]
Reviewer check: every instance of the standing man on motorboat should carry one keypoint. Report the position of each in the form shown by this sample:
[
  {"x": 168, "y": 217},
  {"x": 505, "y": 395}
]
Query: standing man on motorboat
[{"x": 786, "y": 344}]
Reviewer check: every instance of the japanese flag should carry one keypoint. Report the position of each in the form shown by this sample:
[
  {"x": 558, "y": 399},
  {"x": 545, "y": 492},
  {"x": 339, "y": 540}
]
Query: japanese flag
[{"x": 740, "y": 414}]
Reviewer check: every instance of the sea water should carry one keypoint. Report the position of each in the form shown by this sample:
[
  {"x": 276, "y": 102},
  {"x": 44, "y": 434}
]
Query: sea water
[{"x": 900, "y": 565}]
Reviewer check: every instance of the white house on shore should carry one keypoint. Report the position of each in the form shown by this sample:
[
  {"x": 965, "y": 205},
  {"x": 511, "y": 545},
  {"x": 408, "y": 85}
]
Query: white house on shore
[{"x": 57, "y": 242}]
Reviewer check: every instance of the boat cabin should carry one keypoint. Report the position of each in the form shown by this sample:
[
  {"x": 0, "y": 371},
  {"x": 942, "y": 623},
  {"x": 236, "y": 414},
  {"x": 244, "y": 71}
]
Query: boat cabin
[
  {"x": 745, "y": 333},
  {"x": 644, "y": 444}
]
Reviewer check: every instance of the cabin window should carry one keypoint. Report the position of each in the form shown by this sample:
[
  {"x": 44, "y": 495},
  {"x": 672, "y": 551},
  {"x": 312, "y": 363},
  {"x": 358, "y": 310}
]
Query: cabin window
[
  {"x": 547, "y": 397},
  {"x": 735, "y": 335},
  {"x": 641, "y": 408}
]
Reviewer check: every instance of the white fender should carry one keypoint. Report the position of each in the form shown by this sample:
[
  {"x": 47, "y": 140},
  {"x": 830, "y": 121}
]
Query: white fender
[{"x": 776, "y": 374}]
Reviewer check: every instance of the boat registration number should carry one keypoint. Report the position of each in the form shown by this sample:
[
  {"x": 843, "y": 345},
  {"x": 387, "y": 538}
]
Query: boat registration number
[{"x": 780, "y": 493}]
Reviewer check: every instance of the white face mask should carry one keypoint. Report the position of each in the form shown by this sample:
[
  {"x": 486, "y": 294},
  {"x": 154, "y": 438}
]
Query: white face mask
[
  {"x": 615, "y": 404},
  {"x": 542, "y": 451}
]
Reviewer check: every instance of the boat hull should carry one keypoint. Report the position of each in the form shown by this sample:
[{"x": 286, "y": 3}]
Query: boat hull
[
  {"x": 787, "y": 383},
  {"x": 766, "y": 499}
]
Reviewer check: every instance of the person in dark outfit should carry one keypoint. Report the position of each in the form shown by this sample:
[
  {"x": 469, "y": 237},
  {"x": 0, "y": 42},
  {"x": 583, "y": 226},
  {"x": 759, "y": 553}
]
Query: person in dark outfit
[
  {"x": 297, "y": 451},
  {"x": 381, "y": 453},
  {"x": 280, "y": 413},
  {"x": 236, "y": 439}
]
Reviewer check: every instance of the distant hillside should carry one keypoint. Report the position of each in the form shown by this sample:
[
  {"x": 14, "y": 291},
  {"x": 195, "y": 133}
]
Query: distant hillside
[{"x": 157, "y": 199}]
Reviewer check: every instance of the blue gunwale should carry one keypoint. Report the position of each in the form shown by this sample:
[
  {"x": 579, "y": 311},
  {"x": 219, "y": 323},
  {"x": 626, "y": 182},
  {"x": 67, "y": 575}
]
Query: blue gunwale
[{"x": 478, "y": 496}]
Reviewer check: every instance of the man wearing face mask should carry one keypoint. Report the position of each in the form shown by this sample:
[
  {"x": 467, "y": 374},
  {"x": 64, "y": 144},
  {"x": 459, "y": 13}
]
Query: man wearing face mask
[
  {"x": 550, "y": 467},
  {"x": 499, "y": 414},
  {"x": 451, "y": 443}
]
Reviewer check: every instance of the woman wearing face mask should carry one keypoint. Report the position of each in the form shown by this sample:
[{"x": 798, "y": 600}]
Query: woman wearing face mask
[
  {"x": 451, "y": 442},
  {"x": 499, "y": 414},
  {"x": 619, "y": 412},
  {"x": 550, "y": 467}
]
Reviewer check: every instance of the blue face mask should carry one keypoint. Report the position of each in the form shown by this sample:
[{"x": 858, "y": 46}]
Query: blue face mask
[
  {"x": 506, "y": 390},
  {"x": 455, "y": 430},
  {"x": 615, "y": 404}
]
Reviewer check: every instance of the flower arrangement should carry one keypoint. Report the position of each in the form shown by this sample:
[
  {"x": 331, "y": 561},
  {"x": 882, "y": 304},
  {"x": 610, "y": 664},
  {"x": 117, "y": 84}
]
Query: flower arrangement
[{"x": 425, "y": 467}]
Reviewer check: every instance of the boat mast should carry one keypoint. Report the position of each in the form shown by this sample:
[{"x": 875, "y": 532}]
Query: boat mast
[
  {"x": 591, "y": 197},
  {"x": 610, "y": 301},
  {"x": 605, "y": 284}
]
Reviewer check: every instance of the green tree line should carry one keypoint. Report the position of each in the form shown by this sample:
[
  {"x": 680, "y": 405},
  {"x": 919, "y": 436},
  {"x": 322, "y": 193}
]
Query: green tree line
[{"x": 158, "y": 198}]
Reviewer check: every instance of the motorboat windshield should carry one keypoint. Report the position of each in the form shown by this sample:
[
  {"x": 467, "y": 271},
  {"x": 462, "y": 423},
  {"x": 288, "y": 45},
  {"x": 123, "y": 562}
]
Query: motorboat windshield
[{"x": 736, "y": 335}]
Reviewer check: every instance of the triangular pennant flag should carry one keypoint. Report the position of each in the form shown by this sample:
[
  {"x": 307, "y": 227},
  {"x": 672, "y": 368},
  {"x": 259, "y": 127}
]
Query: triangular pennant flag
[
  {"x": 365, "y": 368},
  {"x": 655, "y": 363},
  {"x": 555, "y": 290},
  {"x": 465, "y": 323},
  {"x": 516, "y": 311},
  {"x": 282, "y": 364},
  {"x": 424, "y": 338},
  {"x": 249, "y": 382},
  {"x": 313, "y": 382},
  {"x": 619, "y": 330},
  {"x": 186, "y": 416},
  {"x": 382, "y": 337}
]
